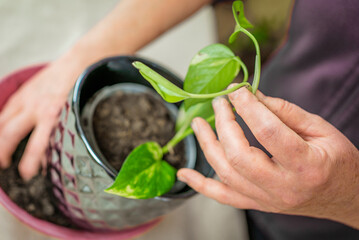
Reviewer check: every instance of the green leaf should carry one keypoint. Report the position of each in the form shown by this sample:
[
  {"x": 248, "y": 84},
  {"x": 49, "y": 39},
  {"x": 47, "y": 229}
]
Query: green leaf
[
  {"x": 234, "y": 35},
  {"x": 144, "y": 174},
  {"x": 185, "y": 117},
  {"x": 211, "y": 70},
  {"x": 238, "y": 13},
  {"x": 168, "y": 91},
  {"x": 241, "y": 20}
]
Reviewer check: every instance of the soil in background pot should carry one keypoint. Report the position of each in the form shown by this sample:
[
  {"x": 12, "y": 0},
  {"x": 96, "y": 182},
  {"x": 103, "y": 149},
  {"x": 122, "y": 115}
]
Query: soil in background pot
[
  {"x": 34, "y": 196},
  {"x": 123, "y": 121}
]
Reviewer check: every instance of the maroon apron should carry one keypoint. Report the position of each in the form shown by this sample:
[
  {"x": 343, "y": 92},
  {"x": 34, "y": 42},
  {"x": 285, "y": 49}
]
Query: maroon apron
[{"x": 318, "y": 69}]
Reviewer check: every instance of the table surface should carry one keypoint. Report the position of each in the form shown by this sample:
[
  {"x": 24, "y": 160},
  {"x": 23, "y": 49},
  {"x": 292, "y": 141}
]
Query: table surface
[{"x": 39, "y": 31}]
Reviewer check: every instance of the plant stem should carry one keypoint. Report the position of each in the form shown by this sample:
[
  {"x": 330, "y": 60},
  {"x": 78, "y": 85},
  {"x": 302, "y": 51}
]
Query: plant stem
[
  {"x": 257, "y": 66},
  {"x": 245, "y": 70},
  {"x": 224, "y": 92},
  {"x": 180, "y": 135}
]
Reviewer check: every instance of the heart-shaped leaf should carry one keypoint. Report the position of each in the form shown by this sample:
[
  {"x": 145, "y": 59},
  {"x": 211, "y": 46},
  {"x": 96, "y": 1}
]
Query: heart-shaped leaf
[
  {"x": 144, "y": 174},
  {"x": 211, "y": 70},
  {"x": 238, "y": 13},
  {"x": 234, "y": 35},
  {"x": 168, "y": 91},
  {"x": 241, "y": 20}
]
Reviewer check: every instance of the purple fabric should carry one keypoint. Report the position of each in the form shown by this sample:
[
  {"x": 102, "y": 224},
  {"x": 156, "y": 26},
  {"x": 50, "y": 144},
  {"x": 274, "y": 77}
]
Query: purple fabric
[{"x": 317, "y": 69}]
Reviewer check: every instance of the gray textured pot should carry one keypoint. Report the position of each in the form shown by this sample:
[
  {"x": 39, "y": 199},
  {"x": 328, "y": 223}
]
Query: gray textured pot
[{"x": 80, "y": 174}]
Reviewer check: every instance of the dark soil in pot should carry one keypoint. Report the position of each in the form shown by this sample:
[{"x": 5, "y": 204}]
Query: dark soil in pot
[
  {"x": 123, "y": 121},
  {"x": 34, "y": 196}
]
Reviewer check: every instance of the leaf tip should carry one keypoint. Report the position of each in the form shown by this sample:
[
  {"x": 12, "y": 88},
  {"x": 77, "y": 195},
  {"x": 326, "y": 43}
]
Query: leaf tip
[
  {"x": 137, "y": 64},
  {"x": 109, "y": 189}
]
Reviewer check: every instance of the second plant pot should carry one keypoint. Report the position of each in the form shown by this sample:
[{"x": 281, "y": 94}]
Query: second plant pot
[{"x": 79, "y": 170}]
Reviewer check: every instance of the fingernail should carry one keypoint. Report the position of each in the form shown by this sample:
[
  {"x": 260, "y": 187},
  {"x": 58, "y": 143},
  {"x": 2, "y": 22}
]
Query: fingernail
[
  {"x": 181, "y": 177},
  {"x": 217, "y": 101},
  {"x": 233, "y": 95},
  {"x": 194, "y": 125},
  {"x": 260, "y": 95},
  {"x": 232, "y": 85},
  {"x": 236, "y": 93}
]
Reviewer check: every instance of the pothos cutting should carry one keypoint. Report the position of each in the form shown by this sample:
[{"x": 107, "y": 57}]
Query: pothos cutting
[{"x": 144, "y": 173}]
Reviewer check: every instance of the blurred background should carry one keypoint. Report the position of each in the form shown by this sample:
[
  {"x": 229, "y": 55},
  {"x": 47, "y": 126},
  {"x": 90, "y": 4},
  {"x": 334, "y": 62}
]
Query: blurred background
[{"x": 39, "y": 31}]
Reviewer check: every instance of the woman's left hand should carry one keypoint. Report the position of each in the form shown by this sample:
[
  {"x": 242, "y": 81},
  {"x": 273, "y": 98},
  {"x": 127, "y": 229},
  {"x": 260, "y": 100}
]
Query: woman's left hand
[{"x": 313, "y": 171}]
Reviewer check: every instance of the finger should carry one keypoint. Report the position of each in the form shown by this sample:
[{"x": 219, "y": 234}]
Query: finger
[
  {"x": 11, "y": 134},
  {"x": 216, "y": 190},
  {"x": 35, "y": 150},
  {"x": 7, "y": 113},
  {"x": 239, "y": 179},
  {"x": 281, "y": 141},
  {"x": 44, "y": 165},
  {"x": 213, "y": 150},
  {"x": 293, "y": 116},
  {"x": 249, "y": 161},
  {"x": 229, "y": 132}
]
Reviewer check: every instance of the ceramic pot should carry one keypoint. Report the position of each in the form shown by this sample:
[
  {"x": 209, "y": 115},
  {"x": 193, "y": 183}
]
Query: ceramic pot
[
  {"x": 80, "y": 174},
  {"x": 8, "y": 86}
]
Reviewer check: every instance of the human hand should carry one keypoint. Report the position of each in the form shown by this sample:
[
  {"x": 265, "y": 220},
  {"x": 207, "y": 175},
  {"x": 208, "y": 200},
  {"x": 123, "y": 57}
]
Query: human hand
[
  {"x": 313, "y": 171},
  {"x": 36, "y": 106}
]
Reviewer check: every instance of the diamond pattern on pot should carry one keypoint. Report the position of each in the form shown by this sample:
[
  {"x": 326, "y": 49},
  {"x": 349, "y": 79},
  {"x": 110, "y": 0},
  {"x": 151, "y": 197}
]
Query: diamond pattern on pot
[
  {"x": 67, "y": 162},
  {"x": 85, "y": 187},
  {"x": 99, "y": 173},
  {"x": 87, "y": 200},
  {"x": 77, "y": 212},
  {"x": 69, "y": 181},
  {"x": 82, "y": 166},
  {"x": 72, "y": 198},
  {"x": 93, "y": 214},
  {"x": 79, "y": 183}
]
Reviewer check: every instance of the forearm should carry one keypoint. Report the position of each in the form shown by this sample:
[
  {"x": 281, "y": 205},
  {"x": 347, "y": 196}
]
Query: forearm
[
  {"x": 134, "y": 23},
  {"x": 130, "y": 26}
]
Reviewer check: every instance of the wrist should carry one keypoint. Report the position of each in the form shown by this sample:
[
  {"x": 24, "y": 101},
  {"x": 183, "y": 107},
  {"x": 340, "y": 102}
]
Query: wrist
[
  {"x": 345, "y": 212},
  {"x": 98, "y": 44},
  {"x": 79, "y": 57},
  {"x": 351, "y": 215}
]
